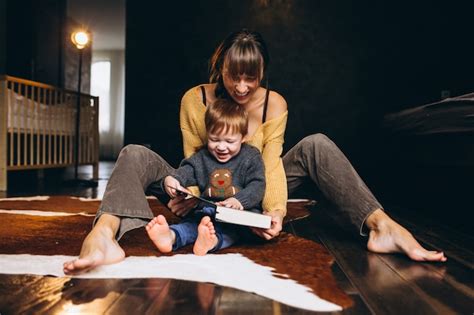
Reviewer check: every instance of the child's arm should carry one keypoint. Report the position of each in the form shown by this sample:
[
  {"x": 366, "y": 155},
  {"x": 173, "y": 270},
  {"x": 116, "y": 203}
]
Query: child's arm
[
  {"x": 186, "y": 172},
  {"x": 171, "y": 184},
  {"x": 182, "y": 177}
]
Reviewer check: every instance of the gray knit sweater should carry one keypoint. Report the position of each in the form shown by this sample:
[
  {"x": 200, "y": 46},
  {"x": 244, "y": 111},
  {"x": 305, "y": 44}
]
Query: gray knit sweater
[{"x": 242, "y": 177}]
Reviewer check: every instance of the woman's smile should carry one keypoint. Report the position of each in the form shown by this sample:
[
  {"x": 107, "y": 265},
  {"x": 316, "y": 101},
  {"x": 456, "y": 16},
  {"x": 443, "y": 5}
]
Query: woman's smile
[
  {"x": 241, "y": 94},
  {"x": 240, "y": 97}
]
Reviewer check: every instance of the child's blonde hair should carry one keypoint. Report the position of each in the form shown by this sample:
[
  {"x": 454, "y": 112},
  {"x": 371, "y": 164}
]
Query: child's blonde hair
[{"x": 226, "y": 116}]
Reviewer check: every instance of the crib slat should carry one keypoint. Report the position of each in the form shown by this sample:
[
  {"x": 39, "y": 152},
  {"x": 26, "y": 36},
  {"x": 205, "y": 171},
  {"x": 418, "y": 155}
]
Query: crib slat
[
  {"x": 58, "y": 126},
  {"x": 81, "y": 137},
  {"x": 83, "y": 133},
  {"x": 54, "y": 107},
  {"x": 32, "y": 113},
  {"x": 25, "y": 123},
  {"x": 66, "y": 128},
  {"x": 43, "y": 127},
  {"x": 69, "y": 126},
  {"x": 22, "y": 113},
  {"x": 72, "y": 126},
  {"x": 50, "y": 127},
  {"x": 3, "y": 133},
  {"x": 65, "y": 133},
  {"x": 12, "y": 130},
  {"x": 77, "y": 137},
  {"x": 61, "y": 124},
  {"x": 37, "y": 125},
  {"x": 52, "y": 130},
  {"x": 82, "y": 147}
]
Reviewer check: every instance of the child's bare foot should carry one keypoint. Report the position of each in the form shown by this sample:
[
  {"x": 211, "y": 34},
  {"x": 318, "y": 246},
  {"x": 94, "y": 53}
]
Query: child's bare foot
[
  {"x": 161, "y": 234},
  {"x": 99, "y": 247},
  {"x": 387, "y": 236},
  {"x": 206, "y": 239}
]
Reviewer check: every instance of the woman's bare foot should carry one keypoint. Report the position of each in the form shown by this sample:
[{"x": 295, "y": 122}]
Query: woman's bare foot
[
  {"x": 206, "y": 239},
  {"x": 160, "y": 233},
  {"x": 99, "y": 247},
  {"x": 387, "y": 236}
]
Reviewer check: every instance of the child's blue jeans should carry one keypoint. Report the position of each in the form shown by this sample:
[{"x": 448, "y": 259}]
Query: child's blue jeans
[{"x": 186, "y": 231}]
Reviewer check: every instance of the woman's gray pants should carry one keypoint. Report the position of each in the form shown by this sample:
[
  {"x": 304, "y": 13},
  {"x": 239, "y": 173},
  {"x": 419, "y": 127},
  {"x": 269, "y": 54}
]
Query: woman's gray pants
[
  {"x": 138, "y": 168},
  {"x": 318, "y": 158}
]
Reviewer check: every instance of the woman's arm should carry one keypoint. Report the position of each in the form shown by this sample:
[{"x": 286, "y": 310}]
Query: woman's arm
[
  {"x": 191, "y": 121},
  {"x": 276, "y": 193}
]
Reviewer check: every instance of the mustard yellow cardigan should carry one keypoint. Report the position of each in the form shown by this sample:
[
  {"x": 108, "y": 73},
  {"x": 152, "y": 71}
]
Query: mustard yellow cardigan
[{"x": 268, "y": 139}]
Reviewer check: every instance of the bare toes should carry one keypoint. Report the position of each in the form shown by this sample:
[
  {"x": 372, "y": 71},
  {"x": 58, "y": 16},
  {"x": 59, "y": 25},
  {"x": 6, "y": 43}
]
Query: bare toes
[
  {"x": 420, "y": 254},
  {"x": 161, "y": 219}
]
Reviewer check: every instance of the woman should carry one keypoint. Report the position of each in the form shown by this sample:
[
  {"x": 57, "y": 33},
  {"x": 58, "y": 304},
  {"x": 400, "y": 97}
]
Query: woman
[{"x": 237, "y": 69}]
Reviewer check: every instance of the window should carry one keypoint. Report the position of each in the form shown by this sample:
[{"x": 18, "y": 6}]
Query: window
[{"x": 100, "y": 86}]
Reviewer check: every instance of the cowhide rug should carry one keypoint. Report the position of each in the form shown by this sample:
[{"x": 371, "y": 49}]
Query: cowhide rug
[{"x": 40, "y": 233}]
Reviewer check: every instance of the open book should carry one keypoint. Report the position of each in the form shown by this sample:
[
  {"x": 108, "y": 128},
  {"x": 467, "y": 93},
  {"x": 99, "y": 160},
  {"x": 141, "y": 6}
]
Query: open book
[{"x": 229, "y": 215}]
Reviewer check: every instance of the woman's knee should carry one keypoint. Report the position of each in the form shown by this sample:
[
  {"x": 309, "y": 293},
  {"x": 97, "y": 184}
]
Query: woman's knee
[
  {"x": 133, "y": 153},
  {"x": 318, "y": 141}
]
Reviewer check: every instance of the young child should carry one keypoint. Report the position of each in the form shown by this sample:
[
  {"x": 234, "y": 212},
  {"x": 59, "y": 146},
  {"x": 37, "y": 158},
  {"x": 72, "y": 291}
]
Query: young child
[{"x": 227, "y": 171}]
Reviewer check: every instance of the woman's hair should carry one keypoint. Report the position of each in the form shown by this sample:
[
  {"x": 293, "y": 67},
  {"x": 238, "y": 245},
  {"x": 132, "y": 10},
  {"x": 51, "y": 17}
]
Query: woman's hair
[
  {"x": 243, "y": 52},
  {"x": 225, "y": 115}
]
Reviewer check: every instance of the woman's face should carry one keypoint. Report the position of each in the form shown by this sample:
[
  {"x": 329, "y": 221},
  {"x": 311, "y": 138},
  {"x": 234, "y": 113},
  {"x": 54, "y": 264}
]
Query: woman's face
[{"x": 240, "y": 87}]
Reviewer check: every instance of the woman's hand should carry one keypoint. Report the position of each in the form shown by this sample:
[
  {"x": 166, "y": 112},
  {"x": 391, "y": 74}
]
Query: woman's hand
[
  {"x": 275, "y": 228},
  {"x": 181, "y": 206},
  {"x": 231, "y": 203}
]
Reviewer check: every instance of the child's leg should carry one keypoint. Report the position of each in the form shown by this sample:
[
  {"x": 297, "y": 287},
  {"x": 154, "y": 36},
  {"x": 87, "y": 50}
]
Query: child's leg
[
  {"x": 206, "y": 239},
  {"x": 186, "y": 232},
  {"x": 160, "y": 233},
  {"x": 227, "y": 235},
  {"x": 171, "y": 237}
]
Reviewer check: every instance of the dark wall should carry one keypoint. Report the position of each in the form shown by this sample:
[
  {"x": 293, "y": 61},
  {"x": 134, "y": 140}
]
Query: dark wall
[
  {"x": 426, "y": 51},
  {"x": 314, "y": 65},
  {"x": 37, "y": 44},
  {"x": 33, "y": 44},
  {"x": 3, "y": 34},
  {"x": 340, "y": 65},
  {"x": 19, "y": 47}
]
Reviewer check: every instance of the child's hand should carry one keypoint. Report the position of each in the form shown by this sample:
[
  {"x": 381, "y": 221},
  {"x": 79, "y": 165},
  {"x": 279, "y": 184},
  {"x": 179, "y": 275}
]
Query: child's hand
[
  {"x": 231, "y": 203},
  {"x": 171, "y": 184}
]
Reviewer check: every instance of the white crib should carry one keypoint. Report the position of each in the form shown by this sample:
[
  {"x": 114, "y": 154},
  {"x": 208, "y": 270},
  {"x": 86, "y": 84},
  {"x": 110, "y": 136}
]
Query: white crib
[{"x": 38, "y": 127}]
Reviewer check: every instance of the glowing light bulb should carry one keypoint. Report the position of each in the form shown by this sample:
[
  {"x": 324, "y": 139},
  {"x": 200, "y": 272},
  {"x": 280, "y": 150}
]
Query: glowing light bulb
[{"x": 80, "y": 39}]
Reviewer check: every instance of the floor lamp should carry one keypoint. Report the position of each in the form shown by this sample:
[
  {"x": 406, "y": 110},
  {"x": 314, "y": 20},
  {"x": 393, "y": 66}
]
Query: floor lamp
[{"x": 80, "y": 39}]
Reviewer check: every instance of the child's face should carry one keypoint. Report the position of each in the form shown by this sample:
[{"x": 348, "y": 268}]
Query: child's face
[{"x": 224, "y": 145}]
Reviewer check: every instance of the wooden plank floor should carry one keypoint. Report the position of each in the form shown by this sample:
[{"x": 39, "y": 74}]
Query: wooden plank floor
[{"x": 378, "y": 284}]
